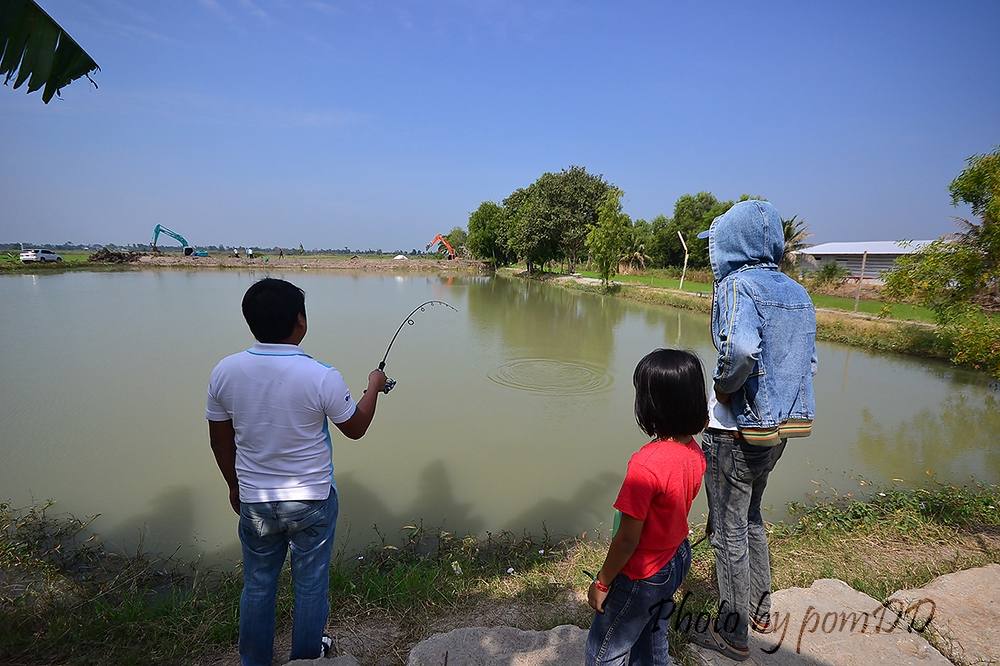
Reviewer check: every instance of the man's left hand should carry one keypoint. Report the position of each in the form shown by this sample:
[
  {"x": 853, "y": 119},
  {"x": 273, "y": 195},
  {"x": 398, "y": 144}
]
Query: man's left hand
[{"x": 234, "y": 499}]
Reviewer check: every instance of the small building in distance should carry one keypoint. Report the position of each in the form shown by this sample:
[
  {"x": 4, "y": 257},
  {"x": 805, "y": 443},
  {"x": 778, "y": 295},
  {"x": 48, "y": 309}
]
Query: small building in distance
[{"x": 876, "y": 256}]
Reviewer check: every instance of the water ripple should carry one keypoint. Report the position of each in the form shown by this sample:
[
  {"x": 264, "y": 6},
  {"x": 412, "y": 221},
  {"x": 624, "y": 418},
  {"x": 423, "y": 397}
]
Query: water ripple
[{"x": 551, "y": 376}]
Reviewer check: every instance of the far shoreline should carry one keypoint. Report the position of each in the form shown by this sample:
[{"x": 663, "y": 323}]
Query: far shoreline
[{"x": 292, "y": 262}]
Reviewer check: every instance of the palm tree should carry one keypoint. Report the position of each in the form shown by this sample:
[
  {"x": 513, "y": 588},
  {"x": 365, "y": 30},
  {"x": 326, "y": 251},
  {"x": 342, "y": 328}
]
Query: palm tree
[
  {"x": 38, "y": 50},
  {"x": 634, "y": 257},
  {"x": 796, "y": 233}
]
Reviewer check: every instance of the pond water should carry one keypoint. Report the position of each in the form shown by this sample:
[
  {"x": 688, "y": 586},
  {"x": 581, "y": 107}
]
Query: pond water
[{"x": 513, "y": 414}]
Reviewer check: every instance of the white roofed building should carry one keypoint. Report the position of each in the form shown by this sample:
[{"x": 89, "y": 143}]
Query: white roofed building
[{"x": 876, "y": 257}]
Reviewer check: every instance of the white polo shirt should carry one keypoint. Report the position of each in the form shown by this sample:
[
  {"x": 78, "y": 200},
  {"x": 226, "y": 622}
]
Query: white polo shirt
[{"x": 279, "y": 399}]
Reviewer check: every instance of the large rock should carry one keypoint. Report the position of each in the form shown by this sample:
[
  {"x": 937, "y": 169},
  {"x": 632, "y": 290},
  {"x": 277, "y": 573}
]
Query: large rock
[
  {"x": 964, "y": 612},
  {"x": 831, "y": 623},
  {"x": 475, "y": 646}
]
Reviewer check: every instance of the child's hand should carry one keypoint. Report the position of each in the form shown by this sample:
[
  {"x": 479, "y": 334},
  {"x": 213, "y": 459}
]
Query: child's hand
[{"x": 596, "y": 597}]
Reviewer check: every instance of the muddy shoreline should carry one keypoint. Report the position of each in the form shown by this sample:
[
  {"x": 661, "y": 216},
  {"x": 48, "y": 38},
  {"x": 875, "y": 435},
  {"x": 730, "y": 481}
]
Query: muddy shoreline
[{"x": 313, "y": 262}]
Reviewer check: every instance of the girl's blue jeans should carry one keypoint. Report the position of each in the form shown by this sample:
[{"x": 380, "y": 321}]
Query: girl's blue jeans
[
  {"x": 267, "y": 531},
  {"x": 633, "y": 628}
]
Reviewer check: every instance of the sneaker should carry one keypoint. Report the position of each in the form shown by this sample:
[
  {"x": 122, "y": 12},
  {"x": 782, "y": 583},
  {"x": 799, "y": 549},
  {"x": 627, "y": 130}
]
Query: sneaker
[
  {"x": 712, "y": 640},
  {"x": 761, "y": 625},
  {"x": 327, "y": 646}
]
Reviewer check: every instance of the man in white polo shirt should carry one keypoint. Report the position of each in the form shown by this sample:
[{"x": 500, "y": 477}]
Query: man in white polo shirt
[{"x": 267, "y": 414}]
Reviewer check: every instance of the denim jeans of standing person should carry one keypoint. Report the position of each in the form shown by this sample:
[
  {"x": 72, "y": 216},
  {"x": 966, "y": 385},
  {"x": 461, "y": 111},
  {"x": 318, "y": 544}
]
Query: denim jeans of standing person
[
  {"x": 633, "y": 628},
  {"x": 267, "y": 531},
  {"x": 735, "y": 478}
]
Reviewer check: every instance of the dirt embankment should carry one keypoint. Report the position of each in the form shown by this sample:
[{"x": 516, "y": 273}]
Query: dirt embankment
[{"x": 322, "y": 262}]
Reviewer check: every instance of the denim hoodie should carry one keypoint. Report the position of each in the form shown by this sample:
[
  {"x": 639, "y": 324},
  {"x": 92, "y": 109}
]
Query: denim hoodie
[{"x": 763, "y": 326}]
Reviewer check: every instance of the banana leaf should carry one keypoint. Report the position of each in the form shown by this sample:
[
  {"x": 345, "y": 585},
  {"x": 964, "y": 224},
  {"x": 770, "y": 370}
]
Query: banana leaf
[{"x": 36, "y": 50}]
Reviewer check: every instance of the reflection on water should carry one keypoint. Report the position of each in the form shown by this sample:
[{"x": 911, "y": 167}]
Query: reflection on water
[
  {"x": 515, "y": 413},
  {"x": 946, "y": 440}
]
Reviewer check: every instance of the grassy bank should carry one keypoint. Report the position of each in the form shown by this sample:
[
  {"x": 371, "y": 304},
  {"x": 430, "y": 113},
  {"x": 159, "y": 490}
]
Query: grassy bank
[
  {"x": 882, "y": 335},
  {"x": 872, "y": 307},
  {"x": 64, "y": 599},
  {"x": 10, "y": 262},
  {"x": 867, "y": 306}
]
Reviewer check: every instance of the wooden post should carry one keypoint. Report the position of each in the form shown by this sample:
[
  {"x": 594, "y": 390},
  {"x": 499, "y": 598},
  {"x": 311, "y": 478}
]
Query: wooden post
[
  {"x": 857, "y": 296},
  {"x": 685, "y": 269}
]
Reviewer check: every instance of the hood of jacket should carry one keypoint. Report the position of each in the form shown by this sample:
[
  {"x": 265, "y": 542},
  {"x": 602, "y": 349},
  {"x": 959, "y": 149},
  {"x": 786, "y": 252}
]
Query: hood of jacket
[{"x": 748, "y": 234}]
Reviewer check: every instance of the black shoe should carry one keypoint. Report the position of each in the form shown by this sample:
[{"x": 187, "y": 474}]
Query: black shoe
[{"x": 327, "y": 650}]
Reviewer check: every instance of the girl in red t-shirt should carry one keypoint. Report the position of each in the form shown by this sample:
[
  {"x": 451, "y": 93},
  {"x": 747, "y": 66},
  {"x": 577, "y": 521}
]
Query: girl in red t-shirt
[{"x": 650, "y": 555}]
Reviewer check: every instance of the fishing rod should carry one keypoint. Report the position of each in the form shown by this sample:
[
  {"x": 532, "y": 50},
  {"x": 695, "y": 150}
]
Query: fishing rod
[{"x": 407, "y": 321}]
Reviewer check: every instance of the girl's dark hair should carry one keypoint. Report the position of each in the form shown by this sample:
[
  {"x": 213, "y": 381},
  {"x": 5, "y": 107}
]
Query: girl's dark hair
[
  {"x": 271, "y": 308},
  {"x": 670, "y": 397}
]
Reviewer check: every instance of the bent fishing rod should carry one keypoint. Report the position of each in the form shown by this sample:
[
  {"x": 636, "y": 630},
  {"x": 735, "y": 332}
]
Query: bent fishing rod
[{"x": 407, "y": 321}]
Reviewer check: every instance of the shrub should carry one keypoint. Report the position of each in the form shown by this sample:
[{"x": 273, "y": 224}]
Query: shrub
[
  {"x": 975, "y": 339},
  {"x": 830, "y": 273}
]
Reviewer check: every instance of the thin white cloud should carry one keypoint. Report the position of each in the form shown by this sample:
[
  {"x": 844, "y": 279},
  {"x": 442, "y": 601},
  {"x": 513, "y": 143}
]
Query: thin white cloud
[
  {"x": 212, "y": 109},
  {"x": 323, "y": 7},
  {"x": 216, "y": 8},
  {"x": 254, "y": 10}
]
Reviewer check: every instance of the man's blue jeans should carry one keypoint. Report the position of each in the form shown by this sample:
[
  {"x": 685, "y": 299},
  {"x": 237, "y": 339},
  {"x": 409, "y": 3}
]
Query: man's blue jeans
[
  {"x": 267, "y": 530},
  {"x": 633, "y": 628},
  {"x": 735, "y": 478}
]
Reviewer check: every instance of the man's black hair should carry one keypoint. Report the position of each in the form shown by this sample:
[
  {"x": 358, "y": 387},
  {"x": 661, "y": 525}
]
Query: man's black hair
[
  {"x": 670, "y": 397},
  {"x": 271, "y": 308}
]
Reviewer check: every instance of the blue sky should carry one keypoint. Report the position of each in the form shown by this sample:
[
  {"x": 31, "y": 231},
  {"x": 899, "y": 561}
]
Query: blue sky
[{"x": 378, "y": 124}]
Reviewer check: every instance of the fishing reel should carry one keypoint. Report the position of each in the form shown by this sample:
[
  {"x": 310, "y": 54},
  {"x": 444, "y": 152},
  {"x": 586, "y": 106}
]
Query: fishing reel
[{"x": 389, "y": 385}]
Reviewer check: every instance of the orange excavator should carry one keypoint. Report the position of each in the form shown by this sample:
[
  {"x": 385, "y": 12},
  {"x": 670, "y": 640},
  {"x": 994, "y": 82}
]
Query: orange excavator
[{"x": 439, "y": 239}]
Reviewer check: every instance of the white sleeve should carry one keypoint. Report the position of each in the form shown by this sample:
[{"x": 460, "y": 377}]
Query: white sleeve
[
  {"x": 336, "y": 398},
  {"x": 214, "y": 411}
]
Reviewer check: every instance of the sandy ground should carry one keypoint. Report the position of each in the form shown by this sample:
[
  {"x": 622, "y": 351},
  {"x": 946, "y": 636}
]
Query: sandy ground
[{"x": 314, "y": 262}]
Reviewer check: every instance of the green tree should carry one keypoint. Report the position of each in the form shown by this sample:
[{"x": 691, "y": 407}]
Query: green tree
[
  {"x": 551, "y": 218},
  {"x": 959, "y": 278},
  {"x": 796, "y": 232},
  {"x": 457, "y": 237},
  {"x": 693, "y": 213},
  {"x": 533, "y": 231},
  {"x": 488, "y": 234},
  {"x": 573, "y": 196},
  {"x": 660, "y": 243},
  {"x": 606, "y": 240}
]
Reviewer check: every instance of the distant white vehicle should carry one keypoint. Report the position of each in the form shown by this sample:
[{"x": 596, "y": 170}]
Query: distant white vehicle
[
  {"x": 39, "y": 256},
  {"x": 400, "y": 257}
]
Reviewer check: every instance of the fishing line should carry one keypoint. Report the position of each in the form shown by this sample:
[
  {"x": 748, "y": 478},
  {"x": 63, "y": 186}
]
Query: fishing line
[{"x": 407, "y": 321}]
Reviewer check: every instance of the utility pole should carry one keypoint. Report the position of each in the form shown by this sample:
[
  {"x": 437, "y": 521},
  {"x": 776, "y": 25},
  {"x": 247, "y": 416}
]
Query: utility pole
[
  {"x": 685, "y": 269},
  {"x": 857, "y": 296}
]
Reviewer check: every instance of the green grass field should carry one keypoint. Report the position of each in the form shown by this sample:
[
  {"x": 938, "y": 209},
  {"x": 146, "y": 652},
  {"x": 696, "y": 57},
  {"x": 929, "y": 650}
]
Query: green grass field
[
  {"x": 10, "y": 261},
  {"x": 901, "y": 311}
]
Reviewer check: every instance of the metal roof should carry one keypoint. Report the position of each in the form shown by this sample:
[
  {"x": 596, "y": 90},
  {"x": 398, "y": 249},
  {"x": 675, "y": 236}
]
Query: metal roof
[{"x": 871, "y": 247}]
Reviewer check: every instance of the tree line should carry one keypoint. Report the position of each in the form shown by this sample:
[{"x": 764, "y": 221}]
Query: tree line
[{"x": 573, "y": 216}]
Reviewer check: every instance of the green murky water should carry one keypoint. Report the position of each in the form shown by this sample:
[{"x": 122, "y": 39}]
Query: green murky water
[{"x": 515, "y": 413}]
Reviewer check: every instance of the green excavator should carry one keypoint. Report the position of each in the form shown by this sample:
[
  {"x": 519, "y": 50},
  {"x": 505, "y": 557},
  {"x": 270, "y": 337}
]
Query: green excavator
[{"x": 188, "y": 250}]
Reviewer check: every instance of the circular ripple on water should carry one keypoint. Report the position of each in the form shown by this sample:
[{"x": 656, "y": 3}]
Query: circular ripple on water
[{"x": 545, "y": 375}]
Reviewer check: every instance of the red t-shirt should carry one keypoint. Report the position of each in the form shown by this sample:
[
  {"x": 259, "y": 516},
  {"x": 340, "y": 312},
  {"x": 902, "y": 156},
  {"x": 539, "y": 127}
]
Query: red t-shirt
[{"x": 662, "y": 481}]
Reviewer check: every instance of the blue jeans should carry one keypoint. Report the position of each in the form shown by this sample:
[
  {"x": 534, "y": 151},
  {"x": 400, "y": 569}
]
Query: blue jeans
[
  {"x": 633, "y": 628},
  {"x": 735, "y": 478},
  {"x": 267, "y": 530}
]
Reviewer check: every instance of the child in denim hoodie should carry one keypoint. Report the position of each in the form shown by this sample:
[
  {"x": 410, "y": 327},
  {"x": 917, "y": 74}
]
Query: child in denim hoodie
[{"x": 764, "y": 329}]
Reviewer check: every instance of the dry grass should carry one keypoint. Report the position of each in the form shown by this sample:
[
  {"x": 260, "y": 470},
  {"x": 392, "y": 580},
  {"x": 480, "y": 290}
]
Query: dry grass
[{"x": 55, "y": 584}]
